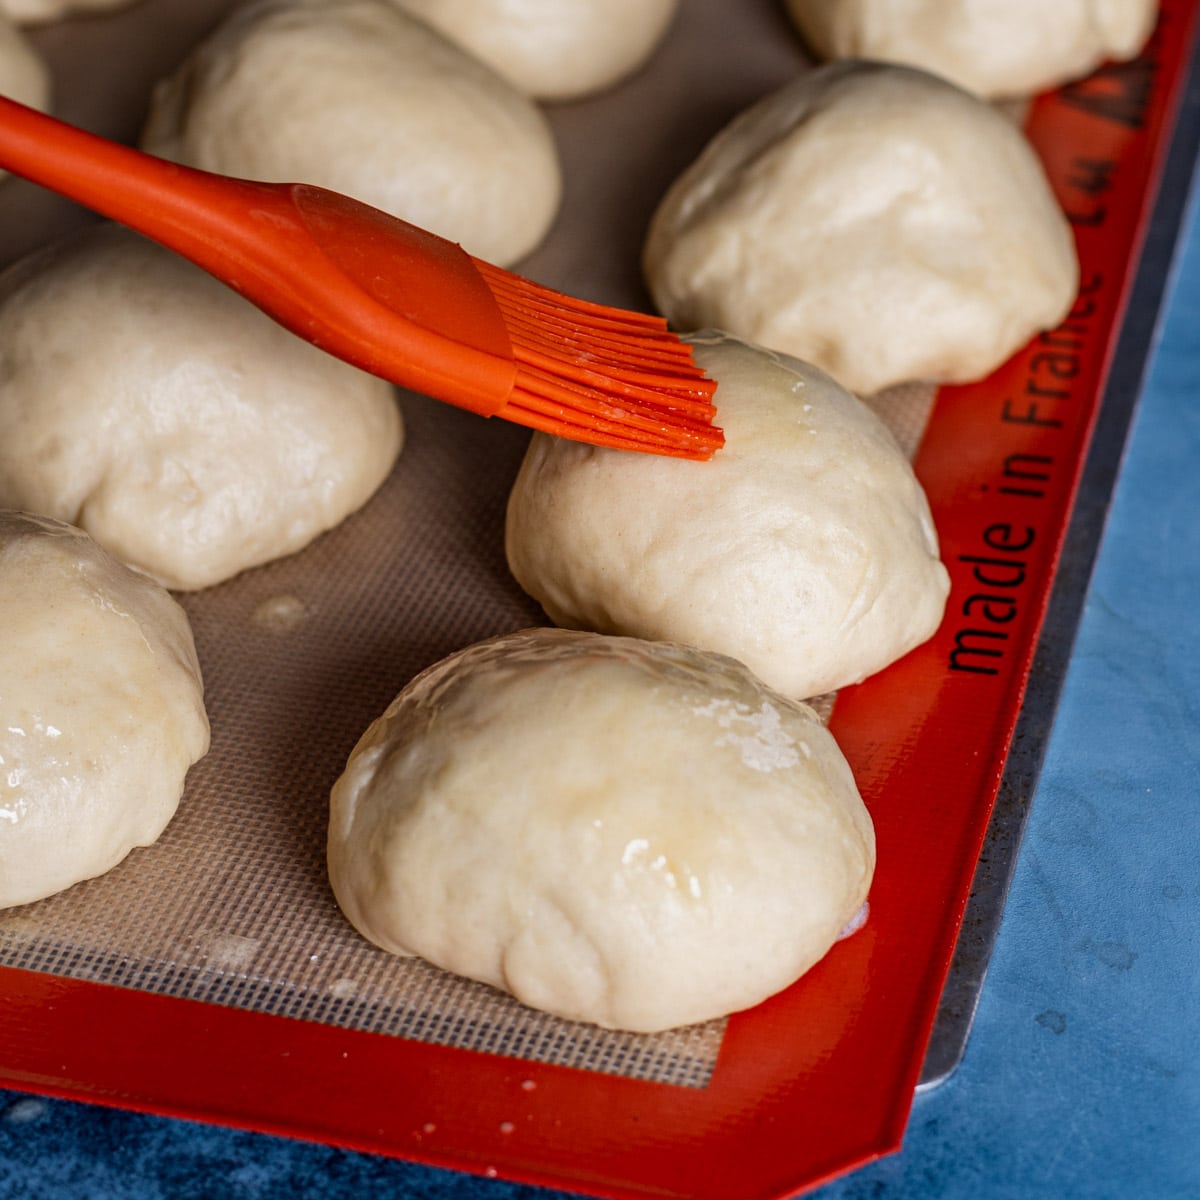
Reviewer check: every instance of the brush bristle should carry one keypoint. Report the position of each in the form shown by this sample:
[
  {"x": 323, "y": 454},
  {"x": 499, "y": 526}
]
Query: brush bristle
[{"x": 602, "y": 375}]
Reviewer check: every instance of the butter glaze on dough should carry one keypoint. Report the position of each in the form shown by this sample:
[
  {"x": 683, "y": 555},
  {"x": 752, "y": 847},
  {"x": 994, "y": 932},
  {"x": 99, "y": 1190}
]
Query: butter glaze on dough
[
  {"x": 191, "y": 435},
  {"x": 632, "y": 834},
  {"x": 101, "y": 708},
  {"x": 805, "y": 548},
  {"x": 359, "y": 97}
]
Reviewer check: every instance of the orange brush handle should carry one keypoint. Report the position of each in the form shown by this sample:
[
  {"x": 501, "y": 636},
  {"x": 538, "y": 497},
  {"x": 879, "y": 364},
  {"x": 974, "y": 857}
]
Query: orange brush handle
[{"x": 367, "y": 287}]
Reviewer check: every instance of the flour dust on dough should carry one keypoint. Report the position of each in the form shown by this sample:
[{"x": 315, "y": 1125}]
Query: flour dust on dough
[{"x": 628, "y": 833}]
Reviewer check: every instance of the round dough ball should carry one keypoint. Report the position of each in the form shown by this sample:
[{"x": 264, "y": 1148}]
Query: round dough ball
[
  {"x": 36, "y": 12},
  {"x": 994, "y": 47},
  {"x": 24, "y": 75},
  {"x": 870, "y": 219},
  {"x": 805, "y": 548},
  {"x": 633, "y": 834},
  {"x": 358, "y": 97},
  {"x": 553, "y": 49},
  {"x": 186, "y": 431},
  {"x": 101, "y": 708}
]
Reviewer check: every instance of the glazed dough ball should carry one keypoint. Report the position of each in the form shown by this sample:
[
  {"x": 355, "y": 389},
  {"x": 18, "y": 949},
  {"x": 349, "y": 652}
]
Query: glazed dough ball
[
  {"x": 805, "y": 548},
  {"x": 356, "y": 96},
  {"x": 873, "y": 220},
  {"x": 24, "y": 75},
  {"x": 553, "y": 49},
  {"x": 186, "y": 431},
  {"x": 993, "y": 47},
  {"x": 101, "y": 708},
  {"x": 632, "y": 834}
]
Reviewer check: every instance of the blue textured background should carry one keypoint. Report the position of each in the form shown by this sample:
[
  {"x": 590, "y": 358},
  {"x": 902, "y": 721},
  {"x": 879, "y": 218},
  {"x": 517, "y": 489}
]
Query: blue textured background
[{"x": 1082, "y": 1077}]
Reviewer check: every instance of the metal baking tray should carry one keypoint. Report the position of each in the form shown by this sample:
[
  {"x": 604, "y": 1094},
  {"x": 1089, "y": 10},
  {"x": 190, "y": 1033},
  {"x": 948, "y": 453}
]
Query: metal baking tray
[{"x": 224, "y": 983}]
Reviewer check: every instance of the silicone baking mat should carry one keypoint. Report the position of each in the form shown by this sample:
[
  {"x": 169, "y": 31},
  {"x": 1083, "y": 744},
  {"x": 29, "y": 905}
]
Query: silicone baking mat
[{"x": 215, "y": 966}]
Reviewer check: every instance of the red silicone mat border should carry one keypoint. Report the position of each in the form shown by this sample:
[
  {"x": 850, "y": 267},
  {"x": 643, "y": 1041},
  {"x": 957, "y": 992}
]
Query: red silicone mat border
[{"x": 820, "y": 1078}]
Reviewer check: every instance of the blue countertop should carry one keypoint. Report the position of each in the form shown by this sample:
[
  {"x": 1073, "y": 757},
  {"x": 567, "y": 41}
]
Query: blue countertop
[{"x": 1082, "y": 1075}]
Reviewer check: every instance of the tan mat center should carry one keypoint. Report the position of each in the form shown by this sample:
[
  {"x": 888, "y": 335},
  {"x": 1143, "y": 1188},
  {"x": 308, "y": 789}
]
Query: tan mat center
[{"x": 232, "y": 905}]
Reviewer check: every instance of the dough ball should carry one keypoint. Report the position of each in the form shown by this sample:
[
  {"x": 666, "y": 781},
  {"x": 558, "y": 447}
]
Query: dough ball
[
  {"x": 805, "y": 548},
  {"x": 186, "y": 431},
  {"x": 873, "y": 220},
  {"x": 553, "y": 49},
  {"x": 633, "y": 834},
  {"x": 101, "y": 708},
  {"x": 994, "y": 47},
  {"x": 24, "y": 76},
  {"x": 356, "y": 96},
  {"x": 36, "y": 12}
]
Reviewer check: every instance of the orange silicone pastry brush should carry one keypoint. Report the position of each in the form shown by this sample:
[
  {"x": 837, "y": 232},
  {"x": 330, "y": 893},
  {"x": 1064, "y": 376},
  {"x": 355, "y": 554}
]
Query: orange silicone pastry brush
[{"x": 393, "y": 299}]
